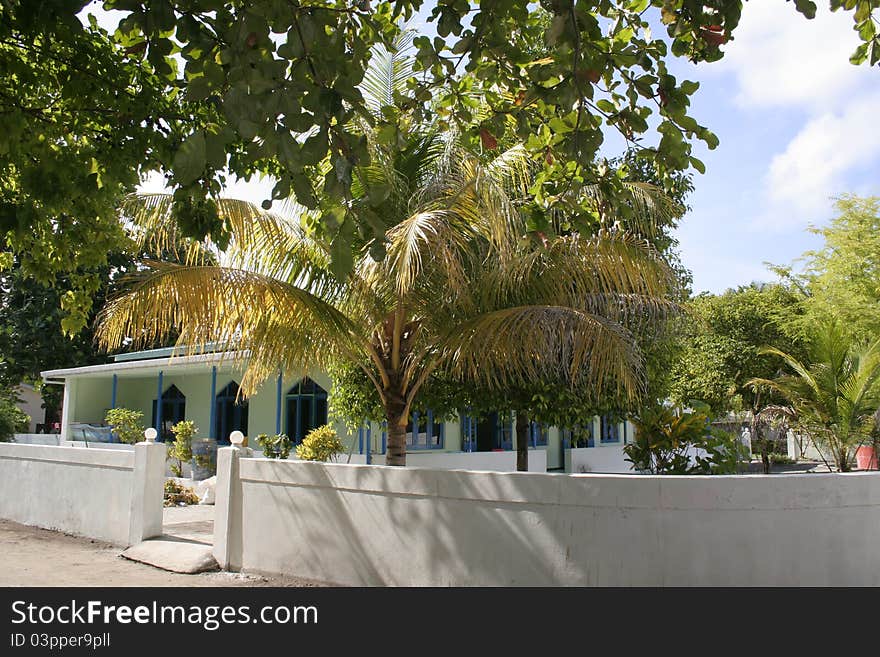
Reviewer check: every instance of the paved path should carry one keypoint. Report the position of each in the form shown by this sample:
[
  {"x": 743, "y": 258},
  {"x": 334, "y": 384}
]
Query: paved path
[{"x": 193, "y": 523}]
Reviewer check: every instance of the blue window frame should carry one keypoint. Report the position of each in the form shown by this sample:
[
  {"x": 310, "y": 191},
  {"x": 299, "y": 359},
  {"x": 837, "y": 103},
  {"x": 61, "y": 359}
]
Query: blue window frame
[
  {"x": 306, "y": 404},
  {"x": 424, "y": 432},
  {"x": 468, "y": 432},
  {"x": 491, "y": 433},
  {"x": 504, "y": 431},
  {"x": 537, "y": 435},
  {"x": 173, "y": 411},
  {"x": 609, "y": 430},
  {"x": 231, "y": 415},
  {"x": 579, "y": 436}
]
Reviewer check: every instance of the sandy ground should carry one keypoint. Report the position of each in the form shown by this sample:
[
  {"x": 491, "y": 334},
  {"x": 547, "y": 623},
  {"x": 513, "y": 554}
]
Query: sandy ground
[{"x": 39, "y": 557}]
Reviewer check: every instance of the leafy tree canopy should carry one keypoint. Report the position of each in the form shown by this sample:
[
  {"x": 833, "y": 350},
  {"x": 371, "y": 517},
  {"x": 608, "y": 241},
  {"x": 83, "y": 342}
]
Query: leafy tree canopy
[
  {"x": 201, "y": 87},
  {"x": 842, "y": 279},
  {"x": 722, "y": 348}
]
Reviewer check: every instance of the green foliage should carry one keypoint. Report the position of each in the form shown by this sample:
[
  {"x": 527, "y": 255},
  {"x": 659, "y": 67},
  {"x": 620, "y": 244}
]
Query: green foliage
[
  {"x": 276, "y": 447},
  {"x": 320, "y": 444},
  {"x": 843, "y": 277},
  {"x": 181, "y": 449},
  {"x": 724, "y": 453},
  {"x": 666, "y": 439},
  {"x": 179, "y": 495},
  {"x": 723, "y": 341},
  {"x": 833, "y": 395},
  {"x": 198, "y": 87},
  {"x": 81, "y": 120},
  {"x": 12, "y": 419},
  {"x": 126, "y": 424}
]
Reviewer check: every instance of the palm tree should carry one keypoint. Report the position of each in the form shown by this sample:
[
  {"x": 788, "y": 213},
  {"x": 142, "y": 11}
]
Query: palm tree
[
  {"x": 453, "y": 284},
  {"x": 832, "y": 399}
]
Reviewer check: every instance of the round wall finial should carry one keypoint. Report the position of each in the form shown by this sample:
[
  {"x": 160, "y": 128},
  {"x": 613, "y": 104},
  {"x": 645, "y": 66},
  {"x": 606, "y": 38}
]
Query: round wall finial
[
  {"x": 236, "y": 438},
  {"x": 150, "y": 435}
]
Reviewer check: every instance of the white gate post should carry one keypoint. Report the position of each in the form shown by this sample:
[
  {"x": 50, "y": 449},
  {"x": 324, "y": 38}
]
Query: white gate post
[
  {"x": 148, "y": 489},
  {"x": 227, "y": 505}
]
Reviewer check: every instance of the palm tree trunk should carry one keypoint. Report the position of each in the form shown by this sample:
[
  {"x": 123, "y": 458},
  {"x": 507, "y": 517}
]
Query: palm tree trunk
[
  {"x": 395, "y": 453},
  {"x": 522, "y": 442}
]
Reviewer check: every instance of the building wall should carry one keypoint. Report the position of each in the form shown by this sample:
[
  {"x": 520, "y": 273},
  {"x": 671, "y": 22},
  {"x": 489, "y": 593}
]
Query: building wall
[
  {"x": 93, "y": 398},
  {"x": 32, "y": 404},
  {"x": 138, "y": 393},
  {"x": 359, "y": 525},
  {"x": 90, "y": 399}
]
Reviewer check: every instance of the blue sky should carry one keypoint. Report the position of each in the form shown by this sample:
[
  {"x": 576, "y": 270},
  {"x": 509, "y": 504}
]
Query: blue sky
[{"x": 798, "y": 124}]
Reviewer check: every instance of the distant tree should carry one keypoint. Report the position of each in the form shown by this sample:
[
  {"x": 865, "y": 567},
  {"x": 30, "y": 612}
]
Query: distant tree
[
  {"x": 843, "y": 277},
  {"x": 833, "y": 395},
  {"x": 723, "y": 342}
]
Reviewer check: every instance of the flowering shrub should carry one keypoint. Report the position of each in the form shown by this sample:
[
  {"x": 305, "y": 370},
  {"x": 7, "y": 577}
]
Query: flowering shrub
[{"x": 321, "y": 444}]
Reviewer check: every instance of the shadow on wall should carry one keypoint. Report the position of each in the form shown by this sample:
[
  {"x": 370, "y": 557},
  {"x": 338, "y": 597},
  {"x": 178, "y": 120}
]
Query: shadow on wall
[{"x": 371, "y": 525}]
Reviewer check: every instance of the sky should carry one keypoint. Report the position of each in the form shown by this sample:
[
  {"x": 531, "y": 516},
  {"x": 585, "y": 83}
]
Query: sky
[{"x": 798, "y": 125}]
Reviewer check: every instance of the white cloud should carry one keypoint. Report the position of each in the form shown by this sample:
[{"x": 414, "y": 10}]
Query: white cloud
[
  {"x": 780, "y": 58},
  {"x": 813, "y": 167}
]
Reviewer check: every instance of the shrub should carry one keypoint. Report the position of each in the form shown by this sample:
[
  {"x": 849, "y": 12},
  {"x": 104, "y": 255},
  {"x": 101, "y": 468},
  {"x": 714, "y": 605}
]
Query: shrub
[
  {"x": 321, "y": 444},
  {"x": 12, "y": 419},
  {"x": 181, "y": 449},
  {"x": 177, "y": 494},
  {"x": 666, "y": 435},
  {"x": 126, "y": 424},
  {"x": 275, "y": 447}
]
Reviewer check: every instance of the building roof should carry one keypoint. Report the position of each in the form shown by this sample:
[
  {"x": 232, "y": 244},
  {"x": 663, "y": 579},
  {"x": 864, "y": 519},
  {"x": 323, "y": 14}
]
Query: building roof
[{"x": 151, "y": 364}]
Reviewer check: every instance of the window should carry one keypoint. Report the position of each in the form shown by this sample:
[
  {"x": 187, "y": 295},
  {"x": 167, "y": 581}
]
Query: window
[
  {"x": 537, "y": 435},
  {"x": 306, "y": 404},
  {"x": 579, "y": 436},
  {"x": 609, "y": 430},
  {"x": 424, "y": 432},
  {"x": 231, "y": 413},
  {"x": 173, "y": 411},
  {"x": 491, "y": 433}
]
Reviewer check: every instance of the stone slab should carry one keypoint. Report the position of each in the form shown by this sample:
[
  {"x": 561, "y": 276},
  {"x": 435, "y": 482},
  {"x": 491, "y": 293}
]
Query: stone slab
[{"x": 175, "y": 555}]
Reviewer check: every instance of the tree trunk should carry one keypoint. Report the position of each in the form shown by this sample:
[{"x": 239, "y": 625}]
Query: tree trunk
[
  {"x": 522, "y": 442},
  {"x": 395, "y": 449},
  {"x": 765, "y": 448}
]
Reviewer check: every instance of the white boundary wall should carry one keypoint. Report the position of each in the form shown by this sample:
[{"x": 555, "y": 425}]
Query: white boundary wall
[
  {"x": 112, "y": 495},
  {"x": 374, "y": 525}
]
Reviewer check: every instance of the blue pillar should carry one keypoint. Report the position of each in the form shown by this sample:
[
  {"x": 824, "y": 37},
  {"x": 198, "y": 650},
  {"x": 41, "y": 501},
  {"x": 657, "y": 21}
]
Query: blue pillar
[
  {"x": 278, "y": 404},
  {"x": 369, "y": 445},
  {"x": 213, "y": 433},
  {"x": 113, "y": 392},
  {"x": 384, "y": 436},
  {"x": 159, "y": 406}
]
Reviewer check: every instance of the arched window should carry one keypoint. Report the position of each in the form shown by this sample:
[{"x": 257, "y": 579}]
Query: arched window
[
  {"x": 173, "y": 411},
  {"x": 231, "y": 415},
  {"x": 306, "y": 404}
]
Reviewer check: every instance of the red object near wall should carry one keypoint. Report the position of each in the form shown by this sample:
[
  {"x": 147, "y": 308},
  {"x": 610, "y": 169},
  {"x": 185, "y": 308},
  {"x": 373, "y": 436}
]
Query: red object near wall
[{"x": 866, "y": 458}]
